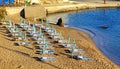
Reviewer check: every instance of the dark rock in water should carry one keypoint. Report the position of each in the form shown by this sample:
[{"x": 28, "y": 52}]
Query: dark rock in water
[
  {"x": 104, "y": 27},
  {"x": 60, "y": 22}
]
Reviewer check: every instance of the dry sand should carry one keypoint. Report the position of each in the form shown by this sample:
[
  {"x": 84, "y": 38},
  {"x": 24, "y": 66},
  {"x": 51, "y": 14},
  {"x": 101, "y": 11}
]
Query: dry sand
[{"x": 21, "y": 57}]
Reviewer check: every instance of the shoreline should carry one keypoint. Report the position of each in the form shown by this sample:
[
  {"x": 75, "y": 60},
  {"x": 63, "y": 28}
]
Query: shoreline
[
  {"x": 93, "y": 46},
  {"x": 78, "y": 7},
  {"x": 93, "y": 41}
]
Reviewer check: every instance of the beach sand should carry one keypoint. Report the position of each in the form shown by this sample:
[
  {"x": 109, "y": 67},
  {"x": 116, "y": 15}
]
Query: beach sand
[{"x": 22, "y": 57}]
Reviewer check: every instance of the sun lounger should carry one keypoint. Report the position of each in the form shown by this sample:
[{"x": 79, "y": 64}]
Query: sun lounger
[
  {"x": 37, "y": 38},
  {"x": 20, "y": 38},
  {"x": 4, "y": 23},
  {"x": 61, "y": 41},
  {"x": 28, "y": 29},
  {"x": 12, "y": 30},
  {"x": 48, "y": 47},
  {"x": 46, "y": 28},
  {"x": 47, "y": 52},
  {"x": 42, "y": 42},
  {"x": 16, "y": 34},
  {"x": 23, "y": 43},
  {"x": 33, "y": 34},
  {"x": 55, "y": 37},
  {"x": 67, "y": 45},
  {"x": 38, "y": 25},
  {"x": 81, "y": 58},
  {"x": 76, "y": 50},
  {"x": 53, "y": 34},
  {"x": 49, "y": 30},
  {"x": 46, "y": 58},
  {"x": 22, "y": 25}
]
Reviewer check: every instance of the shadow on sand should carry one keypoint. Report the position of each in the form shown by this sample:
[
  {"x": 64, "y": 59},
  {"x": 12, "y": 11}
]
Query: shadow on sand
[
  {"x": 48, "y": 63},
  {"x": 18, "y": 52}
]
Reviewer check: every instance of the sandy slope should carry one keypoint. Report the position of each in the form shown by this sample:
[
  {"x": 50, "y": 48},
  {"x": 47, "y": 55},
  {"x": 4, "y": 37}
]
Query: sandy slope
[{"x": 20, "y": 57}]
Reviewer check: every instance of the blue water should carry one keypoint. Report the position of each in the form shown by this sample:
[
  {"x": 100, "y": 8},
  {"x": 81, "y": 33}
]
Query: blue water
[
  {"x": 6, "y": 1},
  {"x": 107, "y": 40}
]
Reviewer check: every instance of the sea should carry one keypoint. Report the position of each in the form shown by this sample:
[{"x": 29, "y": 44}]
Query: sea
[{"x": 92, "y": 21}]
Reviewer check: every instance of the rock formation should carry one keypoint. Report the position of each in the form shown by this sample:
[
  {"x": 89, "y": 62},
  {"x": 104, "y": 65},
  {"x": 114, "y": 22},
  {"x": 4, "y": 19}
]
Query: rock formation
[
  {"x": 104, "y": 27},
  {"x": 60, "y": 22}
]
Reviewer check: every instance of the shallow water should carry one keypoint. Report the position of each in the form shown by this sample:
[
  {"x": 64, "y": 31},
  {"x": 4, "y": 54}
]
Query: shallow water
[{"x": 107, "y": 40}]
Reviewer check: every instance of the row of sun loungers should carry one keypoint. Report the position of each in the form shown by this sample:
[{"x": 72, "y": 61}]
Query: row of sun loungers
[{"x": 38, "y": 36}]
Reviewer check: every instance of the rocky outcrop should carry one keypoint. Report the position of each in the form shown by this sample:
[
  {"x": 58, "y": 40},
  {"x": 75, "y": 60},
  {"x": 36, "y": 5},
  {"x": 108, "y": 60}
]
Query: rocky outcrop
[
  {"x": 60, "y": 22},
  {"x": 104, "y": 27}
]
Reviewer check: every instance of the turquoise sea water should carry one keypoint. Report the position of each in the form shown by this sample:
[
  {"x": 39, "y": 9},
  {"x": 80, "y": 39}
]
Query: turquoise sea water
[{"x": 107, "y": 40}]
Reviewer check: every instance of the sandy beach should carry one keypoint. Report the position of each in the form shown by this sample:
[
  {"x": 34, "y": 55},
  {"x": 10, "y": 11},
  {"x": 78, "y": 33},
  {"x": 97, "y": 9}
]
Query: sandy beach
[{"x": 24, "y": 57}]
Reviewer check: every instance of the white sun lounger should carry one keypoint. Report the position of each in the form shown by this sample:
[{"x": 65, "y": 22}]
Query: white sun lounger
[
  {"x": 67, "y": 45},
  {"x": 55, "y": 36},
  {"x": 16, "y": 34},
  {"x": 40, "y": 42},
  {"x": 4, "y": 23},
  {"x": 81, "y": 58},
  {"x": 48, "y": 30},
  {"x": 23, "y": 43},
  {"x": 28, "y": 29},
  {"x": 76, "y": 50},
  {"x": 37, "y": 38},
  {"x": 34, "y": 34},
  {"x": 19, "y": 38},
  {"x": 22, "y": 25},
  {"x": 46, "y": 58},
  {"x": 12, "y": 30},
  {"x": 39, "y": 25},
  {"x": 61, "y": 41},
  {"x": 47, "y": 52},
  {"x": 48, "y": 47}
]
